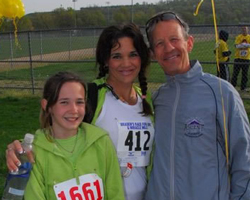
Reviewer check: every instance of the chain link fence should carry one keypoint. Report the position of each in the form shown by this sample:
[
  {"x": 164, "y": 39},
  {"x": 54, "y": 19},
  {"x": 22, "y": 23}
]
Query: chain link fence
[{"x": 26, "y": 60}]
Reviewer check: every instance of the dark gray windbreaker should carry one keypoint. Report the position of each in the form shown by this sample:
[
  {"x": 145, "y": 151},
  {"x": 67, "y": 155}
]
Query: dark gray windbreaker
[{"x": 189, "y": 160}]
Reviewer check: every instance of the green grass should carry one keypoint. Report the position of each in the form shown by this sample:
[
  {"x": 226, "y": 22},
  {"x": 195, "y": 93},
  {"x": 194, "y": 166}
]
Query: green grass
[
  {"x": 48, "y": 44},
  {"x": 19, "y": 115},
  {"x": 204, "y": 50},
  {"x": 22, "y": 77},
  {"x": 87, "y": 70}
]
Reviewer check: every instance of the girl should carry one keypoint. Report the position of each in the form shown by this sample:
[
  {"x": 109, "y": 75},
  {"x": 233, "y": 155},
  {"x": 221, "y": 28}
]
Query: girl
[{"x": 73, "y": 159}]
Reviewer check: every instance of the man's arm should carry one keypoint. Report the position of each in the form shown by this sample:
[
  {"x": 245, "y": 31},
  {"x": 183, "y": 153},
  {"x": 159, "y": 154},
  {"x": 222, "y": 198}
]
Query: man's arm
[
  {"x": 226, "y": 53},
  {"x": 239, "y": 147},
  {"x": 242, "y": 46}
]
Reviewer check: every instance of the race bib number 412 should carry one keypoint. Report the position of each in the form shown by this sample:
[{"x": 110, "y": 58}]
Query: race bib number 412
[
  {"x": 134, "y": 143},
  {"x": 90, "y": 188}
]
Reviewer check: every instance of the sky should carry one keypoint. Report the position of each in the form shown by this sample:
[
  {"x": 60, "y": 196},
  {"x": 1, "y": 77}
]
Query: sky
[{"x": 32, "y": 6}]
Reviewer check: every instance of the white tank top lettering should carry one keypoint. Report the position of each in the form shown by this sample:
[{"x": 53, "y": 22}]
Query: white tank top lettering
[{"x": 132, "y": 134}]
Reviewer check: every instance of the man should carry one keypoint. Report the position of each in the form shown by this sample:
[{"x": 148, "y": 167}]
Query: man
[
  {"x": 223, "y": 55},
  {"x": 242, "y": 58},
  {"x": 190, "y": 161}
]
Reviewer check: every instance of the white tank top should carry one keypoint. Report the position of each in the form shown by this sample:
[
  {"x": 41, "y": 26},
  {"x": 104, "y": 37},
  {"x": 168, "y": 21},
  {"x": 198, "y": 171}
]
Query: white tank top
[{"x": 132, "y": 134}]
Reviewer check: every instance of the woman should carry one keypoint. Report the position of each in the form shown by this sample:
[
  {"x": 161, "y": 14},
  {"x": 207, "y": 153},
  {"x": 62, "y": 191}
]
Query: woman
[{"x": 123, "y": 109}]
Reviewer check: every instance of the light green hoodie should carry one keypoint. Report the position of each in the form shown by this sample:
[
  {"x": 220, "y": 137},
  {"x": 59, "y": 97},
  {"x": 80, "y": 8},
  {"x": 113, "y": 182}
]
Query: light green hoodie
[{"x": 97, "y": 156}]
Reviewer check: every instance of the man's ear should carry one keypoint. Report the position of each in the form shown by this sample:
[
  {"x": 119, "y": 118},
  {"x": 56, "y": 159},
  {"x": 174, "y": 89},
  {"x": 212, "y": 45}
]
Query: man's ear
[
  {"x": 152, "y": 55},
  {"x": 190, "y": 43},
  {"x": 44, "y": 104}
]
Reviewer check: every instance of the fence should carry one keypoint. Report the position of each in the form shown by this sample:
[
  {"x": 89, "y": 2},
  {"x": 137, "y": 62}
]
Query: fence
[{"x": 26, "y": 61}]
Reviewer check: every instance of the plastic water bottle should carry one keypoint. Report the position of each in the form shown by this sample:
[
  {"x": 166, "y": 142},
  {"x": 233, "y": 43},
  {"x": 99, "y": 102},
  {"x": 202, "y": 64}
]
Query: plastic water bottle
[{"x": 17, "y": 181}]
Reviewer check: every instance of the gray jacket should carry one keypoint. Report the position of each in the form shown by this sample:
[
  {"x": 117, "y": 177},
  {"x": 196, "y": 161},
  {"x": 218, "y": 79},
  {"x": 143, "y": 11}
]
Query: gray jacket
[{"x": 189, "y": 161}]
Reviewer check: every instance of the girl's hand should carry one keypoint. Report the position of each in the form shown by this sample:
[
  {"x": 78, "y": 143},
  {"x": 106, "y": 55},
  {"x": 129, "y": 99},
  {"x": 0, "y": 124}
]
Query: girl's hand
[{"x": 11, "y": 155}]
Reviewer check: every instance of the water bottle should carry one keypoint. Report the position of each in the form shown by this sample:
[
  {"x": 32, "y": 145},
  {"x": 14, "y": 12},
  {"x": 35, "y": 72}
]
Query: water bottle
[{"x": 17, "y": 181}]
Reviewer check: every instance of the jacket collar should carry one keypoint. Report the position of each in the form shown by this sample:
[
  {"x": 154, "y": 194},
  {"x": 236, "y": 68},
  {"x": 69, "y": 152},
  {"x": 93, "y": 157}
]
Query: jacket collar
[
  {"x": 192, "y": 75},
  {"x": 90, "y": 132}
]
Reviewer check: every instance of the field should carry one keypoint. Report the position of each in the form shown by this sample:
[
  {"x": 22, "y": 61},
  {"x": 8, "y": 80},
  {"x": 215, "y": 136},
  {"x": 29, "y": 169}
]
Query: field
[
  {"x": 60, "y": 49},
  {"x": 45, "y": 45}
]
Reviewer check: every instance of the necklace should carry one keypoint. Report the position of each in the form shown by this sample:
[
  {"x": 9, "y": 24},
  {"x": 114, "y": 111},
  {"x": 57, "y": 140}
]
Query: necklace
[
  {"x": 65, "y": 148},
  {"x": 119, "y": 97}
]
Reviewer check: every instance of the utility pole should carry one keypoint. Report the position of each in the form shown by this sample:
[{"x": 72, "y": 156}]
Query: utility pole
[
  {"x": 74, "y": 2},
  {"x": 132, "y": 11},
  {"x": 107, "y": 2}
]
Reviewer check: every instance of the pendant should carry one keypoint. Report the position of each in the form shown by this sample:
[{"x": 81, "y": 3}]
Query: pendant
[{"x": 128, "y": 170}]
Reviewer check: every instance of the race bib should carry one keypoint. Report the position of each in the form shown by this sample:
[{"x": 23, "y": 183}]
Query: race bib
[
  {"x": 243, "y": 53},
  {"x": 135, "y": 143},
  {"x": 90, "y": 188}
]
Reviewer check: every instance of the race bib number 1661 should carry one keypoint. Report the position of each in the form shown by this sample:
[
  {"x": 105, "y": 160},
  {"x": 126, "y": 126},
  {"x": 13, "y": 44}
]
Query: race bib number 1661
[{"x": 90, "y": 188}]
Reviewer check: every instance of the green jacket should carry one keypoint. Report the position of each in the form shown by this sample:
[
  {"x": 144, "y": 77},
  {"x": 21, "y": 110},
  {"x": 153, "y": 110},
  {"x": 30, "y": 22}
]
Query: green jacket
[
  {"x": 101, "y": 98},
  {"x": 97, "y": 156}
]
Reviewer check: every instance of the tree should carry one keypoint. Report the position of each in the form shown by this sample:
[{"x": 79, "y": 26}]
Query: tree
[
  {"x": 122, "y": 15},
  {"x": 25, "y": 24},
  {"x": 92, "y": 18},
  {"x": 42, "y": 21},
  {"x": 140, "y": 18},
  {"x": 227, "y": 12},
  {"x": 6, "y": 25},
  {"x": 64, "y": 18}
]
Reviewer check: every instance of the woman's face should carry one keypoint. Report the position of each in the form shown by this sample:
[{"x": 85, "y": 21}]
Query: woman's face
[{"x": 124, "y": 62}]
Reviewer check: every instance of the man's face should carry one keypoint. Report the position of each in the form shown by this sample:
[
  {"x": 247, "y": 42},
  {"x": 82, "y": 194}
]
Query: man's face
[
  {"x": 245, "y": 30},
  {"x": 171, "y": 48}
]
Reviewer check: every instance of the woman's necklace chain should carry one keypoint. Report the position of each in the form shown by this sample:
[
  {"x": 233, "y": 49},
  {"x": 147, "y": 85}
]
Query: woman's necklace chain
[{"x": 117, "y": 96}]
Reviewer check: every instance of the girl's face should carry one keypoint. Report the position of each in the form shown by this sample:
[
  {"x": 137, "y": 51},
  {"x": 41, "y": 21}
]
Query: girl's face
[
  {"x": 124, "y": 62},
  {"x": 69, "y": 110}
]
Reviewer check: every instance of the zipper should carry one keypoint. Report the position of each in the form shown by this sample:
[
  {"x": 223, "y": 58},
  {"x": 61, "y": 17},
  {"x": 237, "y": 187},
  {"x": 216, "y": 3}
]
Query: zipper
[{"x": 172, "y": 147}]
